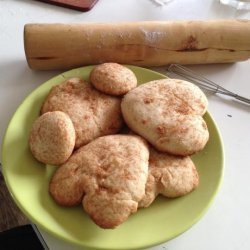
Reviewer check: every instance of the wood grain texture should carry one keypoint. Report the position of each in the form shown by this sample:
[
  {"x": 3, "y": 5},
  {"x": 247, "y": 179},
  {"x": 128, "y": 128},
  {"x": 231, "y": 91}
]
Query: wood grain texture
[
  {"x": 151, "y": 43},
  {"x": 10, "y": 215}
]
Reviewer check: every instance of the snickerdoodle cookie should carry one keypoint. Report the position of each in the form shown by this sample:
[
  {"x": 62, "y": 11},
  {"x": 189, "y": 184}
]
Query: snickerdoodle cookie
[
  {"x": 52, "y": 138},
  {"x": 168, "y": 113},
  {"x": 169, "y": 175},
  {"x": 93, "y": 113},
  {"x": 108, "y": 176},
  {"x": 113, "y": 78}
]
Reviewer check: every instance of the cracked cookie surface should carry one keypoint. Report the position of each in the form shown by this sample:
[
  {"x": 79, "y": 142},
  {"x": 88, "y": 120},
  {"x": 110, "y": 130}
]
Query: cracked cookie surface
[
  {"x": 52, "y": 138},
  {"x": 169, "y": 175},
  {"x": 93, "y": 113},
  {"x": 108, "y": 176},
  {"x": 113, "y": 78}
]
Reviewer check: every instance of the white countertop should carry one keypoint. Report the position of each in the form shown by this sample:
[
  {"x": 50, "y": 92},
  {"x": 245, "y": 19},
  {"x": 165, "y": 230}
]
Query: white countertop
[{"x": 226, "y": 225}]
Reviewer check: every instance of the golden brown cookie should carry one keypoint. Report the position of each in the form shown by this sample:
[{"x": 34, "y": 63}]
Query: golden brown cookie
[
  {"x": 108, "y": 175},
  {"x": 169, "y": 175},
  {"x": 113, "y": 78},
  {"x": 168, "y": 113},
  {"x": 93, "y": 113},
  {"x": 52, "y": 138}
]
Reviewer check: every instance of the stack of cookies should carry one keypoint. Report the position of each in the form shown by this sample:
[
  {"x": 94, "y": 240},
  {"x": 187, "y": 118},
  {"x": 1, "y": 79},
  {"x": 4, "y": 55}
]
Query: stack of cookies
[{"x": 118, "y": 145}]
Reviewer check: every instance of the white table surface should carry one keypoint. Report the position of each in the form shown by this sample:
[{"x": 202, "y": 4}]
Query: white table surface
[{"x": 227, "y": 223}]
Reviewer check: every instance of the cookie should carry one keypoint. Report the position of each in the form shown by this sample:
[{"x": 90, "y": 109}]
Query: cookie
[
  {"x": 93, "y": 113},
  {"x": 168, "y": 113},
  {"x": 169, "y": 175},
  {"x": 52, "y": 138},
  {"x": 113, "y": 79},
  {"x": 108, "y": 176}
]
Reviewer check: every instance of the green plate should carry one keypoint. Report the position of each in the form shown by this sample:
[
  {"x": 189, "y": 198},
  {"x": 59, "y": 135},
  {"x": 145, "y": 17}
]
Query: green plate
[{"x": 28, "y": 180}]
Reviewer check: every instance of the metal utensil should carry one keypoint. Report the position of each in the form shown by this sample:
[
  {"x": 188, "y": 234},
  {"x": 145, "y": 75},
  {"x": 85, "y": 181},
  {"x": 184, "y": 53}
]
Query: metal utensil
[{"x": 203, "y": 82}]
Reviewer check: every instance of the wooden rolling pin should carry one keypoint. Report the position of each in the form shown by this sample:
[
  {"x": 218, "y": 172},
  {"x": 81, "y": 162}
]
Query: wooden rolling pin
[{"x": 65, "y": 46}]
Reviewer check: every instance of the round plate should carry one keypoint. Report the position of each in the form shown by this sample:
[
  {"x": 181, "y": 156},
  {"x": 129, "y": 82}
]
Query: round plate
[{"x": 28, "y": 180}]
